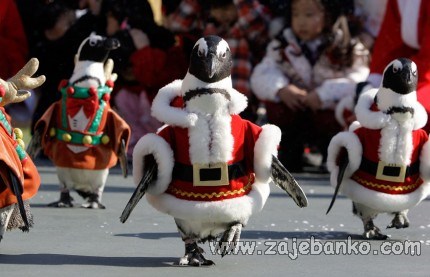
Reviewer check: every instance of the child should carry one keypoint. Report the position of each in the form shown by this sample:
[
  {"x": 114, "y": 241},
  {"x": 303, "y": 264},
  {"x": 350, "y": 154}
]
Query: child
[
  {"x": 307, "y": 69},
  {"x": 148, "y": 59}
]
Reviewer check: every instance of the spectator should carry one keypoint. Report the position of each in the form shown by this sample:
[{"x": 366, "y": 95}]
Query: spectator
[
  {"x": 404, "y": 34},
  {"x": 307, "y": 69},
  {"x": 147, "y": 60}
]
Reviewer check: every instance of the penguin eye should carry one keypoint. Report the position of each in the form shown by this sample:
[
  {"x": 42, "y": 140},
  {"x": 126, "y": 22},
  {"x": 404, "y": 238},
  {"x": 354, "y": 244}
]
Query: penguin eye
[
  {"x": 223, "y": 55},
  {"x": 395, "y": 69},
  {"x": 200, "y": 53}
]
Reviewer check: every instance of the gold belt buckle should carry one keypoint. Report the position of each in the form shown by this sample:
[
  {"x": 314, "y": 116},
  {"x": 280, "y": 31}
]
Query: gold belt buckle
[
  {"x": 380, "y": 175},
  {"x": 198, "y": 170}
]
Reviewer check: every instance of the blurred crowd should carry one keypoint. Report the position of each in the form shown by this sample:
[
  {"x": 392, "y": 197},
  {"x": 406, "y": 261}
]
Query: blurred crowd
[{"x": 301, "y": 63}]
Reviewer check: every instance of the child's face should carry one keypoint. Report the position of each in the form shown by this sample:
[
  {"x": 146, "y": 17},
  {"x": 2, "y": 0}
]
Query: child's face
[
  {"x": 225, "y": 16},
  {"x": 307, "y": 20}
]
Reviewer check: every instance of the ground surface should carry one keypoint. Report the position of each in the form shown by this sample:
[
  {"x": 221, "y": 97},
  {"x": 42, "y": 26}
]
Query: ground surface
[{"x": 80, "y": 242}]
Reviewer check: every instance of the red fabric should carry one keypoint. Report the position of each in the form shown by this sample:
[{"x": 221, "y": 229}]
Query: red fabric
[
  {"x": 370, "y": 142},
  {"x": 25, "y": 171},
  {"x": 89, "y": 105},
  {"x": 389, "y": 46},
  {"x": 245, "y": 135},
  {"x": 13, "y": 41},
  {"x": 156, "y": 68}
]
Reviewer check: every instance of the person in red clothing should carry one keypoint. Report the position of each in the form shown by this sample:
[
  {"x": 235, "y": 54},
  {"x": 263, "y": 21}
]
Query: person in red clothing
[
  {"x": 12, "y": 40},
  {"x": 148, "y": 59},
  {"x": 404, "y": 33}
]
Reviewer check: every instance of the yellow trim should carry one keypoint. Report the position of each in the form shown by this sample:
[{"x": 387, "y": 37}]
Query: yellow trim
[
  {"x": 213, "y": 194},
  {"x": 386, "y": 187}
]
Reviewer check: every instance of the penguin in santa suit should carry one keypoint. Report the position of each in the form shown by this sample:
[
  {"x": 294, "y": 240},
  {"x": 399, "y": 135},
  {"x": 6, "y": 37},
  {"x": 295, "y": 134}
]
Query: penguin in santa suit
[
  {"x": 80, "y": 133},
  {"x": 383, "y": 162},
  {"x": 208, "y": 168},
  {"x": 19, "y": 179}
]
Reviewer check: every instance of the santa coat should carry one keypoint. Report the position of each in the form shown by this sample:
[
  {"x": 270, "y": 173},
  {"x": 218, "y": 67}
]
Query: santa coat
[
  {"x": 404, "y": 33},
  {"x": 98, "y": 155},
  {"x": 372, "y": 139},
  {"x": 232, "y": 141},
  {"x": 15, "y": 159}
]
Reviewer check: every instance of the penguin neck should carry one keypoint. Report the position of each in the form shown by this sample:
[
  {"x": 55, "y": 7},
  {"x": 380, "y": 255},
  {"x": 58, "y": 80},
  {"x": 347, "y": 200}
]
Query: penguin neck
[
  {"x": 91, "y": 69},
  {"x": 191, "y": 82}
]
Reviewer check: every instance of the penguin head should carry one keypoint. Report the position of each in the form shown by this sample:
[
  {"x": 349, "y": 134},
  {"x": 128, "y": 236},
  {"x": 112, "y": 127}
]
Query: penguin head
[
  {"x": 397, "y": 94},
  {"x": 96, "y": 48},
  {"x": 211, "y": 59}
]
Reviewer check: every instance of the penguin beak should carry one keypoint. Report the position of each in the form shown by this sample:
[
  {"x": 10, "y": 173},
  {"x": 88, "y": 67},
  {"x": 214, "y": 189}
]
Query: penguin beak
[
  {"x": 212, "y": 65},
  {"x": 406, "y": 76}
]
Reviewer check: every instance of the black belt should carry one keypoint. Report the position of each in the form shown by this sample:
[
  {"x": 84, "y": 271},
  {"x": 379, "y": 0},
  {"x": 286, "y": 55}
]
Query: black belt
[
  {"x": 372, "y": 168},
  {"x": 184, "y": 172}
]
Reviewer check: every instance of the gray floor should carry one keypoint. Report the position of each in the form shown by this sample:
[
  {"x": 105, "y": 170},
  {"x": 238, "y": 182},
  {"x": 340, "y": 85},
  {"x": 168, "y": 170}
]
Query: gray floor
[{"x": 80, "y": 242}]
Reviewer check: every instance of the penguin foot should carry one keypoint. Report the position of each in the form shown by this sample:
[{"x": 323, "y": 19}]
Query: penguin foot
[
  {"x": 93, "y": 205},
  {"x": 373, "y": 232},
  {"x": 229, "y": 239},
  {"x": 64, "y": 202},
  {"x": 194, "y": 256},
  {"x": 399, "y": 221},
  {"x": 93, "y": 202}
]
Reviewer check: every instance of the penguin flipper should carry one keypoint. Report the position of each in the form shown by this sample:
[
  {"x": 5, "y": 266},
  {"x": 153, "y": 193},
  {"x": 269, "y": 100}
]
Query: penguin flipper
[
  {"x": 122, "y": 156},
  {"x": 148, "y": 177},
  {"x": 283, "y": 179},
  {"x": 343, "y": 164},
  {"x": 35, "y": 144}
]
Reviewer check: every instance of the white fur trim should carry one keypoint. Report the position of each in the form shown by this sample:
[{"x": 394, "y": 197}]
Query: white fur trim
[
  {"x": 163, "y": 154},
  {"x": 410, "y": 13},
  {"x": 210, "y": 139},
  {"x": 375, "y": 79},
  {"x": 354, "y": 126},
  {"x": 266, "y": 146},
  {"x": 425, "y": 162},
  {"x": 379, "y": 201},
  {"x": 420, "y": 116},
  {"x": 396, "y": 143},
  {"x": 346, "y": 103},
  {"x": 235, "y": 209},
  {"x": 238, "y": 101},
  {"x": 164, "y": 112},
  {"x": 353, "y": 146},
  {"x": 366, "y": 117},
  {"x": 378, "y": 119}
]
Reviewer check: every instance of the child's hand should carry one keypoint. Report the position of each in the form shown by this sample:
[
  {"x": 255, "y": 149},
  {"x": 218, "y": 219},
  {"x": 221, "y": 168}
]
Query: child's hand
[
  {"x": 313, "y": 101},
  {"x": 293, "y": 97},
  {"x": 140, "y": 39}
]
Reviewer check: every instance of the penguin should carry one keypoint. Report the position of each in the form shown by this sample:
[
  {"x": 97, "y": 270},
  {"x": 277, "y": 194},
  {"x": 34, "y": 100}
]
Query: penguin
[
  {"x": 80, "y": 133},
  {"x": 19, "y": 179},
  {"x": 207, "y": 167},
  {"x": 382, "y": 162}
]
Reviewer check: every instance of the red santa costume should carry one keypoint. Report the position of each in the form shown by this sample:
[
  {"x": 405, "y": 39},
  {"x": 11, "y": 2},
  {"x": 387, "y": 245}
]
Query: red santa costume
[
  {"x": 237, "y": 148},
  {"x": 404, "y": 33},
  {"x": 373, "y": 147}
]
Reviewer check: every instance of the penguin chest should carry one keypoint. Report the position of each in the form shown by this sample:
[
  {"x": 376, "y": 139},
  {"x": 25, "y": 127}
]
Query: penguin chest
[{"x": 78, "y": 122}]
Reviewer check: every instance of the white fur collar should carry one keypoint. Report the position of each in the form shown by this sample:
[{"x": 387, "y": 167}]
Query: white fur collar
[
  {"x": 377, "y": 119},
  {"x": 177, "y": 116}
]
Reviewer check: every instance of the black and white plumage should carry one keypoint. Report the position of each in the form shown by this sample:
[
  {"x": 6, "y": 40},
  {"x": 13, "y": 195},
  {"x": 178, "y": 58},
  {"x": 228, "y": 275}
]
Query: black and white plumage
[
  {"x": 208, "y": 112},
  {"x": 92, "y": 70},
  {"x": 394, "y": 114}
]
